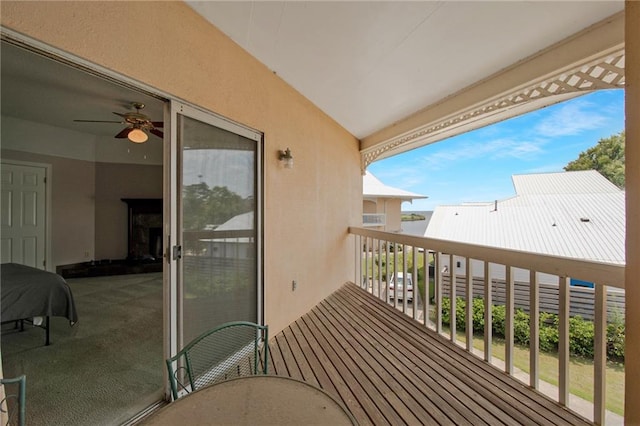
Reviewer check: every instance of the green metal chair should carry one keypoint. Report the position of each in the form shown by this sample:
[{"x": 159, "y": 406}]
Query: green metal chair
[
  {"x": 15, "y": 396},
  {"x": 230, "y": 350}
]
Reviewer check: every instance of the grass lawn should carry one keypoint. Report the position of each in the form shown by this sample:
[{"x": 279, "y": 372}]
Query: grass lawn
[
  {"x": 580, "y": 371},
  {"x": 394, "y": 259}
]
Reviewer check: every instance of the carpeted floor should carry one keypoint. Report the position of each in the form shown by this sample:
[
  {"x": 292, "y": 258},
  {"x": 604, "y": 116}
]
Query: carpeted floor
[{"x": 104, "y": 369}]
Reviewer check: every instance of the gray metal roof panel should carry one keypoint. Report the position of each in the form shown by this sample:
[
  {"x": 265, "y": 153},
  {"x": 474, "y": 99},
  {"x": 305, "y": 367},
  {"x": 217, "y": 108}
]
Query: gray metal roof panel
[
  {"x": 575, "y": 182},
  {"x": 577, "y": 225}
]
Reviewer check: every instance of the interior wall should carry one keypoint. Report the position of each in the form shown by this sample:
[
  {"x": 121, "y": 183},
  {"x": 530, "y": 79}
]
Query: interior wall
[
  {"x": 114, "y": 182},
  {"x": 89, "y": 220},
  {"x": 72, "y": 205},
  {"x": 308, "y": 208}
]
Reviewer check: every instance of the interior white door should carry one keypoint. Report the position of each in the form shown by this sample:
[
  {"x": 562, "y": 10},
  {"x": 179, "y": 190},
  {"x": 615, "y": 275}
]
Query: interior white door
[{"x": 23, "y": 214}]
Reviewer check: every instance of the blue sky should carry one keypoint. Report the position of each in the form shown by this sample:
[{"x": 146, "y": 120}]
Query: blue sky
[{"x": 477, "y": 166}]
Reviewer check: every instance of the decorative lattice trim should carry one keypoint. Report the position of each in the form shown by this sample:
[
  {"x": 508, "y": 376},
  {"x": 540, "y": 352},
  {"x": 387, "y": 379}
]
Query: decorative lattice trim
[{"x": 607, "y": 73}]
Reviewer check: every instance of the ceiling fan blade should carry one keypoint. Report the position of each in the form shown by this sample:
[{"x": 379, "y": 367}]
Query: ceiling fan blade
[
  {"x": 124, "y": 133},
  {"x": 96, "y": 121},
  {"x": 157, "y": 132},
  {"x": 120, "y": 115},
  {"x": 157, "y": 123}
]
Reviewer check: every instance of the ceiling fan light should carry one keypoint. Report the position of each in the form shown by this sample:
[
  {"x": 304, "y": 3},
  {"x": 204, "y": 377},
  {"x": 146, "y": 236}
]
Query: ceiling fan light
[{"x": 137, "y": 136}]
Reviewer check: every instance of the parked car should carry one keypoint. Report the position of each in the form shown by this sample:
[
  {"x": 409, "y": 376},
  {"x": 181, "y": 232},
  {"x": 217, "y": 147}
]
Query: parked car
[{"x": 397, "y": 285}]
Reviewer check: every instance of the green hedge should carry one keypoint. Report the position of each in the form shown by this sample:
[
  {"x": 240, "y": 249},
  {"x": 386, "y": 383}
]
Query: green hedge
[{"x": 581, "y": 331}]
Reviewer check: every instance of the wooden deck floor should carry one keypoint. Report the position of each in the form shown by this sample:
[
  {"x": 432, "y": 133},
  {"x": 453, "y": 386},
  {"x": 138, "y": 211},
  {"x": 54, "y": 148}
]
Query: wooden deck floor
[{"x": 389, "y": 369}]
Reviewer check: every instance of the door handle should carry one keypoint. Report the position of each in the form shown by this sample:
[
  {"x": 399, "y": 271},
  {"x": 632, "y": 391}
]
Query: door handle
[{"x": 177, "y": 252}]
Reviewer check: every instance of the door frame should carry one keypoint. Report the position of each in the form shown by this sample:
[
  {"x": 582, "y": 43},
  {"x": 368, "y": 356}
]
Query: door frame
[
  {"x": 169, "y": 151},
  {"x": 47, "y": 205},
  {"x": 172, "y": 193}
]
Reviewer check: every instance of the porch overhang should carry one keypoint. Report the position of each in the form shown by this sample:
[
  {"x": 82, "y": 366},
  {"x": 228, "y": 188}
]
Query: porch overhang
[{"x": 592, "y": 59}]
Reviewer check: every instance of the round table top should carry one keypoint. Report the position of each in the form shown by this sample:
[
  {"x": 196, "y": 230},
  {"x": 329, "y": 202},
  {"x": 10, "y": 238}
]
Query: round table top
[{"x": 255, "y": 400}]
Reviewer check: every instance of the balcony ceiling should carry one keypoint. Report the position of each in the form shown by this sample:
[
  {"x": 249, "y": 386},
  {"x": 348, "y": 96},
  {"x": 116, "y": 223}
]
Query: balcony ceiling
[{"x": 369, "y": 65}]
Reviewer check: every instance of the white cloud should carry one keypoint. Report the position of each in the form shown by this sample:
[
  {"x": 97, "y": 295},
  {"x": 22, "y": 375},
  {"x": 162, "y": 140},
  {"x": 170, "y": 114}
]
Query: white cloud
[
  {"x": 571, "y": 119},
  {"x": 492, "y": 149}
]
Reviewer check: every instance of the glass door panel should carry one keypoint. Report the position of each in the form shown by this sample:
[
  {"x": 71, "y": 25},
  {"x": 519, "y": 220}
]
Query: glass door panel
[{"x": 219, "y": 226}]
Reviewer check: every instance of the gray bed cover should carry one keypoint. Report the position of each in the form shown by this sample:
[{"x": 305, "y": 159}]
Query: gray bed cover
[{"x": 29, "y": 292}]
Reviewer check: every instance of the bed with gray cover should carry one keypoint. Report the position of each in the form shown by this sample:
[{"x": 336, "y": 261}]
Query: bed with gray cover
[{"x": 33, "y": 295}]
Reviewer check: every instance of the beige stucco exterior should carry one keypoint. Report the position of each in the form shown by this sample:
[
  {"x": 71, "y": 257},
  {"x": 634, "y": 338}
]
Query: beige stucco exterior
[
  {"x": 390, "y": 207},
  {"x": 169, "y": 47},
  {"x": 632, "y": 125}
]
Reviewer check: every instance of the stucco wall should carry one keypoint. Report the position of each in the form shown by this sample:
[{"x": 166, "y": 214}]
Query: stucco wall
[
  {"x": 632, "y": 112},
  {"x": 393, "y": 209},
  {"x": 369, "y": 207},
  {"x": 168, "y": 46}
]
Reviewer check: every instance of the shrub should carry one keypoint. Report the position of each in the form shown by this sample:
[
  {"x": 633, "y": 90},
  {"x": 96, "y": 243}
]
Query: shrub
[
  {"x": 521, "y": 327},
  {"x": 478, "y": 315},
  {"x": 581, "y": 331},
  {"x": 498, "y": 313},
  {"x": 615, "y": 340},
  {"x": 581, "y": 334},
  {"x": 548, "y": 332}
]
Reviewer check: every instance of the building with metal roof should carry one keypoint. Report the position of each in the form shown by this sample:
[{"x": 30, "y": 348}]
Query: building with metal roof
[
  {"x": 382, "y": 204},
  {"x": 576, "y": 214}
]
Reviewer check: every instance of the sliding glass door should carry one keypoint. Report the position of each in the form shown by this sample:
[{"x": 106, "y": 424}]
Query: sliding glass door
[{"x": 216, "y": 203}]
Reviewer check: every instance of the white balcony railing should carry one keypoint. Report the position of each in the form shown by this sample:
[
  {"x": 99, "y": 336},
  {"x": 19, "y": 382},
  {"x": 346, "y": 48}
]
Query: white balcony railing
[
  {"x": 376, "y": 259},
  {"x": 374, "y": 219}
]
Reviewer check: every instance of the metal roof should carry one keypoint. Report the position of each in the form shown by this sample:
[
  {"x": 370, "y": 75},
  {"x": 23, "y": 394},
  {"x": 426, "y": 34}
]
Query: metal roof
[
  {"x": 372, "y": 187},
  {"x": 578, "y": 182},
  {"x": 571, "y": 214}
]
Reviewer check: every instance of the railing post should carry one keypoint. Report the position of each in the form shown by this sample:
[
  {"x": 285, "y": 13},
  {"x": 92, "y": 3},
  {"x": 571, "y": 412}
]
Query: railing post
[
  {"x": 452, "y": 298},
  {"x": 488, "y": 314},
  {"x": 600, "y": 355},
  {"x": 404, "y": 279},
  {"x": 469, "y": 305},
  {"x": 373, "y": 264},
  {"x": 427, "y": 279},
  {"x": 534, "y": 329},
  {"x": 508, "y": 322},
  {"x": 438, "y": 293},
  {"x": 388, "y": 276},
  {"x": 416, "y": 281},
  {"x": 366, "y": 262},
  {"x": 563, "y": 342},
  {"x": 395, "y": 276},
  {"x": 357, "y": 253},
  {"x": 379, "y": 267}
]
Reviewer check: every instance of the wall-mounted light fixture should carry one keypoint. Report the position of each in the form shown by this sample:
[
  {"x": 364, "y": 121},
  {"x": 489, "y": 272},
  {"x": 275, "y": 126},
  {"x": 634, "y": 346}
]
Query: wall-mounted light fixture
[
  {"x": 137, "y": 135},
  {"x": 286, "y": 157}
]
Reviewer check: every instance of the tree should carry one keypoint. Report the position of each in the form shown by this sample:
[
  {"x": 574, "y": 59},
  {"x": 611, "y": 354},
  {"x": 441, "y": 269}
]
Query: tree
[
  {"x": 607, "y": 157},
  {"x": 204, "y": 206}
]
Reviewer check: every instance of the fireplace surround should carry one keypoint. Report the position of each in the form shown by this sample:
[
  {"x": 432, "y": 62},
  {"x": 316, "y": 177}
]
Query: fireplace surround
[
  {"x": 144, "y": 241},
  {"x": 144, "y": 244}
]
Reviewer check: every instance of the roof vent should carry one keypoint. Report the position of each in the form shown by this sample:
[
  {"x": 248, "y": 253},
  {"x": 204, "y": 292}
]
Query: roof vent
[{"x": 585, "y": 219}]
